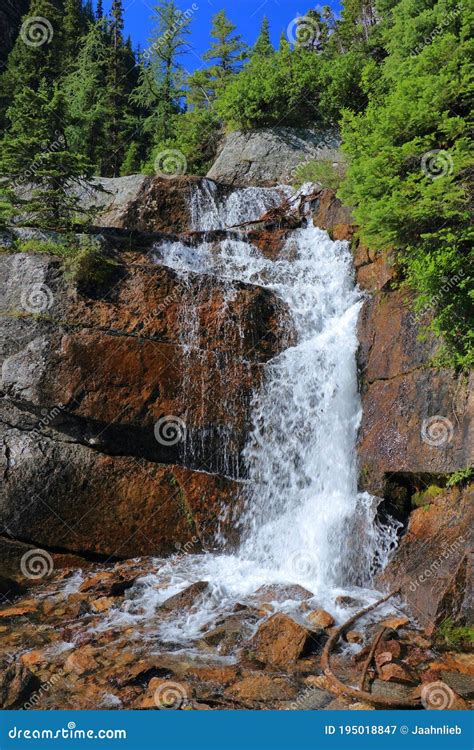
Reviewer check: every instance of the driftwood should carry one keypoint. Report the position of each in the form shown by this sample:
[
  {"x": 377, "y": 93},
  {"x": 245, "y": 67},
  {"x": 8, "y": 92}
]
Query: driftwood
[
  {"x": 280, "y": 213},
  {"x": 361, "y": 695},
  {"x": 372, "y": 651}
]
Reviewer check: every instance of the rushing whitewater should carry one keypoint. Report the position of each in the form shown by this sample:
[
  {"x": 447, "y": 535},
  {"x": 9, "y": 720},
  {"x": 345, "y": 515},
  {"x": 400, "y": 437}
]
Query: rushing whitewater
[{"x": 304, "y": 521}]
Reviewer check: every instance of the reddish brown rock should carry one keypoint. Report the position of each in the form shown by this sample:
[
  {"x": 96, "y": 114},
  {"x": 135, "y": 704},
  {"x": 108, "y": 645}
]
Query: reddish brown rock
[
  {"x": 118, "y": 506},
  {"x": 319, "y": 618},
  {"x": 187, "y": 597},
  {"x": 260, "y": 688},
  {"x": 81, "y": 660},
  {"x": 280, "y": 641},
  {"x": 332, "y": 215},
  {"x": 430, "y": 563},
  {"x": 397, "y": 672},
  {"x": 17, "y": 683}
]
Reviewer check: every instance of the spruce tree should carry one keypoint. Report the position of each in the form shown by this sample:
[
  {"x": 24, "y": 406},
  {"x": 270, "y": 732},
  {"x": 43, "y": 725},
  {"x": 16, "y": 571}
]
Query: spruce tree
[
  {"x": 74, "y": 27},
  {"x": 161, "y": 84},
  {"x": 99, "y": 13},
  {"x": 35, "y": 157},
  {"x": 263, "y": 46},
  {"x": 227, "y": 52}
]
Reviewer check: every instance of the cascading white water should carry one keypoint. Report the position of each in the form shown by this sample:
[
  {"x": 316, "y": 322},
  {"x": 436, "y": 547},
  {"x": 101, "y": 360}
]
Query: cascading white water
[{"x": 304, "y": 521}]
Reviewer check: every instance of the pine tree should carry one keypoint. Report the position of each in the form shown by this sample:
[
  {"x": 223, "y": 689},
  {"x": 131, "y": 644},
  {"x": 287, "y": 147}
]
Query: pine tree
[
  {"x": 161, "y": 84},
  {"x": 74, "y": 27},
  {"x": 119, "y": 83},
  {"x": 100, "y": 10},
  {"x": 263, "y": 46},
  {"x": 88, "y": 101},
  {"x": 35, "y": 156},
  {"x": 227, "y": 51}
]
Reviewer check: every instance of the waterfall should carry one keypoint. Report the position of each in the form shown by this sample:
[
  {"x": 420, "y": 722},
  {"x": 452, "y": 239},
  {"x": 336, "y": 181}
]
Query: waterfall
[{"x": 304, "y": 520}]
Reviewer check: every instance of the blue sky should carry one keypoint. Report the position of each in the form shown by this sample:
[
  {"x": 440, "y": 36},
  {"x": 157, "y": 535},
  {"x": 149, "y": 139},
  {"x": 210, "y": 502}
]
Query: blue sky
[{"x": 246, "y": 14}]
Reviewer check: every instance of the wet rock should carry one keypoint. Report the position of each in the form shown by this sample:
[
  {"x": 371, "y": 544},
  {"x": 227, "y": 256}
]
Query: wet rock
[
  {"x": 186, "y": 598},
  {"x": 20, "y": 611},
  {"x": 81, "y": 661},
  {"x": 311, "y": 699},
  {"x": 462, "y": 684},
  {"x": 349, "y": 602},
  {"x": 319, "y": 618},
  {"x": 353, "y": 636},
  {"x": 260, "y": 688},
  {"x": 219, "y": 676},
  {"x": 111, "y": 500},
  {"x": 17, "y": 683},
  {"x": 280, "y": 641},
  {"x": 430, "y": 564},
  {"x": 331, "y": 214},
  {"x": 397, "y": 672},
  {"x": 395, "y": 623},
  {"x": 279, "y": 592},
  {"x": 392, "y": 690}
]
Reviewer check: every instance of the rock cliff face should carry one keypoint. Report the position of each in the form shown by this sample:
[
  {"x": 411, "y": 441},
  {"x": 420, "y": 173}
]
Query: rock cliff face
[
  {"x": 417, "y": 428},
  {"x": 121, "y": 431},
  {"x": 87, "y": 379},
  {"x": 269, "y": 156}
]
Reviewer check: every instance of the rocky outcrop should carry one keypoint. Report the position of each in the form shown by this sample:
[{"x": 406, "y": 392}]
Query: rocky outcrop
[
  {"x": 126, "y": 396},
  {"x": 433, "y": 564},
  {"x": 270, "y": 156}
]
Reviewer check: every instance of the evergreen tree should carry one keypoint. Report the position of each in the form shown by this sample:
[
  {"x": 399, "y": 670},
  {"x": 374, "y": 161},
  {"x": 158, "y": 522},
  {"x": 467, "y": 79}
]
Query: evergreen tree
[
  {"x": 161, "y": 82},
  {"x": 263, "y": 46},
  {"x": 99, "y": 13},
  {"x": 410, "y": 160},
  {"x": 88, "y": 101},
  {"x": 35, "y": 155},
  {"x": 74, "y": 27},
  {"x": 227, "y": 51}
]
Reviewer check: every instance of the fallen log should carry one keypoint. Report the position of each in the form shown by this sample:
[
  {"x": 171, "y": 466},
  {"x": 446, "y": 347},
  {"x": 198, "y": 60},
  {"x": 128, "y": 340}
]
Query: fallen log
[{"x": 360, "y": 695}]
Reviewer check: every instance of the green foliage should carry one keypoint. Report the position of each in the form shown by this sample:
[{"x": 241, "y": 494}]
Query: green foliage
[
  {"x": 6, "y": 207},
  {"x": 463, "y": 476},
  {"x": 425, "y": 497},
  {"x": 410, "y": 164},
  {"x": 84, "y": 261},
  {"x": 324, "y": 171},
  {"x": 455, "y": 636}
]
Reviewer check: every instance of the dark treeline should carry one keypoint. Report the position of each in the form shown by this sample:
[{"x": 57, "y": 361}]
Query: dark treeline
[{"x": 393, "y": 75}]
